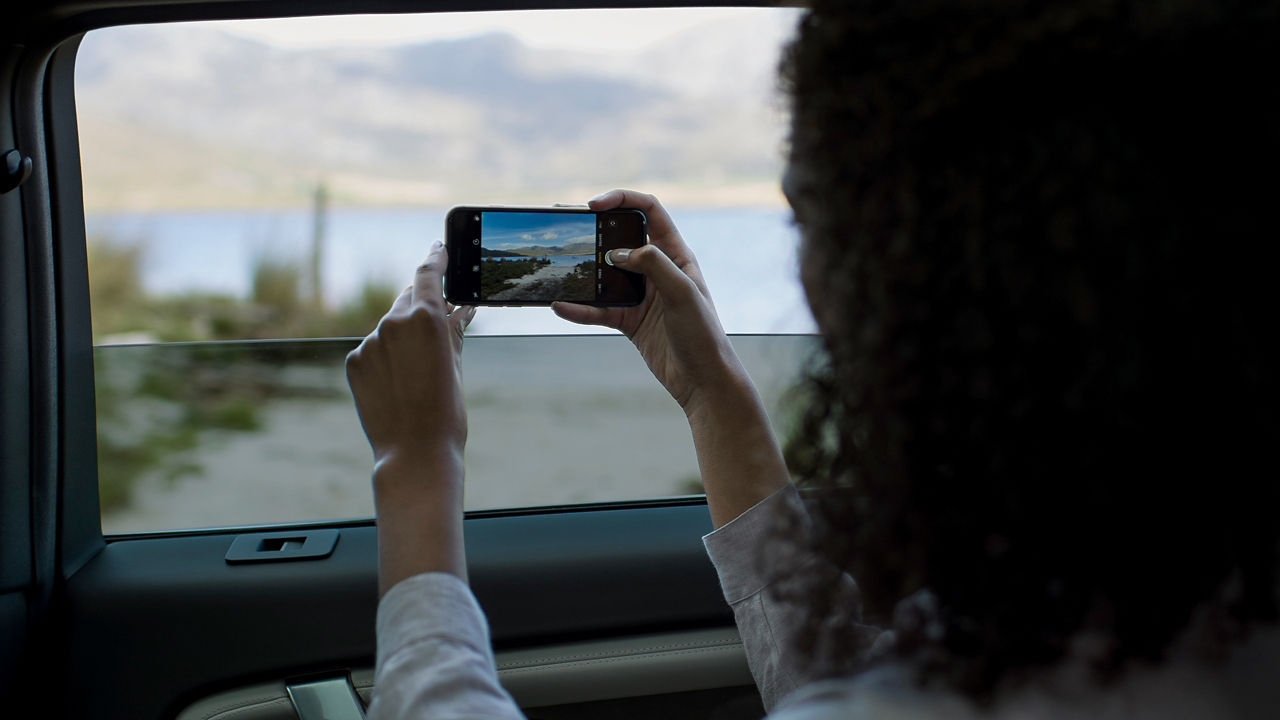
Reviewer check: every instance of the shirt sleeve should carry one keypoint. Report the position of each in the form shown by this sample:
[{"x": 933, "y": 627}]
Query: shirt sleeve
[
  {"x": 767, "y": 624},
  {"x": 434, "y": 658}
]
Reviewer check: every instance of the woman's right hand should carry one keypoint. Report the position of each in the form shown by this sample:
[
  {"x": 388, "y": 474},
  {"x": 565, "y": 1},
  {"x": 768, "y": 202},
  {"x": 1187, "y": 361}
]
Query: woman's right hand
[
  {"x": 675, "y": 327},
  {"x": 678, "y": 334}
]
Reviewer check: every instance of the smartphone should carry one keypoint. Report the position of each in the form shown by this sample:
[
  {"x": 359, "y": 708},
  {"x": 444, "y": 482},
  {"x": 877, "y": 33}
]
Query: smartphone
[{"x": 536, "y": 255}]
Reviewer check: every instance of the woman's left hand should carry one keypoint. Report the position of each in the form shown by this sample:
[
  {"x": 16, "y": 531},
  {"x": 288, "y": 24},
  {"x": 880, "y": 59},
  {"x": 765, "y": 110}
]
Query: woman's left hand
[{"x": 406, "y": 377}]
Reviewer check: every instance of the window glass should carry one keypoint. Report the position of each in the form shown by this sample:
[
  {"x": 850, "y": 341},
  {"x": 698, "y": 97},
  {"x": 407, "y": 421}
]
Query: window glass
[
  {"x": 211, "y": 434},
  {"x": 257, "y": 192}
]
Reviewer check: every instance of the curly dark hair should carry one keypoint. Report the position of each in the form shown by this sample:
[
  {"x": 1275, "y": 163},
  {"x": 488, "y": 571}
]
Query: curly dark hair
[{"x": 1034, "y": 240}]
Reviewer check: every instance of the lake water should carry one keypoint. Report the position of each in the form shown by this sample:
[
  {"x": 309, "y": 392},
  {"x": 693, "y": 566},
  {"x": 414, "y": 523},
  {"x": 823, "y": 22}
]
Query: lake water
[{"x": 747, "y": 256}]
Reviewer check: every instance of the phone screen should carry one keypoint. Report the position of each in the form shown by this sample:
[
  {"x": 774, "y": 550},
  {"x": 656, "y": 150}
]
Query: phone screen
[{"x": 534, "y": 257}]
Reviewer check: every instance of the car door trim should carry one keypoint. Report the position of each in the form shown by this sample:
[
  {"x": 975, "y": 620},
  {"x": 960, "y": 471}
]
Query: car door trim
[
  {"x": 624, "y": 667},
  {"x": 579, "y": 672}
]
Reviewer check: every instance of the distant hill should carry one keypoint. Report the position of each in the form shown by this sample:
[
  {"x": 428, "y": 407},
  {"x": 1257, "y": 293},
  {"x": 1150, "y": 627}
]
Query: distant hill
[
  {"x": 552, "y": 251},
  {"x": 188, "y": 115},
  {"x": 486, "y": 252}
]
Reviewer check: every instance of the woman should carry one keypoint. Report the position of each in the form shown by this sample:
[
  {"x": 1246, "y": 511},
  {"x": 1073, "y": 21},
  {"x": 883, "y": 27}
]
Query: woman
[{"x": 1031, "y": 243}]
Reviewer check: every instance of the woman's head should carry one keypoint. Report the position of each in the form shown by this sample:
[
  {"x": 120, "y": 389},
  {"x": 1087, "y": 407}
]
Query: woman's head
[{"x": 1034, "y": 240}]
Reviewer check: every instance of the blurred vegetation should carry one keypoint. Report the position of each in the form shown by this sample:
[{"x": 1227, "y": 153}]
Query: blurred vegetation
[
  {"x": 500, "y": 275},
  {"x": 275, "y": 290},
  {"x": 153, "y": 402},
  {"x": 277, "y": 305},
  {"x": 580, "y": 283},
  {"x": 690, "y": 485}
]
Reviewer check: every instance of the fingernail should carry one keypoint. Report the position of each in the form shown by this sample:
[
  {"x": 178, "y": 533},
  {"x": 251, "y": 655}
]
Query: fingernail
[
  {"x": 617, "y": 255},
  {"x": 437, "y": 245},
  {"x": 600, "y": 197}
]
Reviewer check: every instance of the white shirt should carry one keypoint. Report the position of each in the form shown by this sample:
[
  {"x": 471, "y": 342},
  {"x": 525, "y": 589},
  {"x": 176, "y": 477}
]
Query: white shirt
[{"x": 434, "y": 660}]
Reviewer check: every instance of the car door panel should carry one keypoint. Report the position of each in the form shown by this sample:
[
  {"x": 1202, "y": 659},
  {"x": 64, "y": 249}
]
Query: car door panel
[{"x": 182, "y": 619}]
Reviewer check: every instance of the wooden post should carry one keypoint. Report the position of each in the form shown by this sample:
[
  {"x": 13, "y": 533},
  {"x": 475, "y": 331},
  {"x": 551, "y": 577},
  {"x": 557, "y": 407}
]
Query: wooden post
[{"x": 320, "y": 208}]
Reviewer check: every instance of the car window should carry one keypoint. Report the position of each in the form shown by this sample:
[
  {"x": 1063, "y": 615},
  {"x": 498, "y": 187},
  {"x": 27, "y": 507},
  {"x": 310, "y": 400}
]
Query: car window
[{"x": 257, "y": 192}]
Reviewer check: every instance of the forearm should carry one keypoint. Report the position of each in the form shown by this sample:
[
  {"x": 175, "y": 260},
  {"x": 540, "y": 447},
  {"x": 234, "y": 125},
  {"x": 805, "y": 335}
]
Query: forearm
[
  {"x": 434, "y": 655},
  {"x": 738, "y": 456},
  {"x": 769, "y": 624},
  {"x": 419, "y": 514}
]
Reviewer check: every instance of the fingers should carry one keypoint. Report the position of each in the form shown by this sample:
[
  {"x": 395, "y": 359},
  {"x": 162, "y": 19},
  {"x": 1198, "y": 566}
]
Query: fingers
[
  {"x": 460, "y": 318},
  {"x": 587, "y": 314},
  {"x": 428, "y": 286},
  {"x": 659, "y": 220},
  {"x": 672, "y": 283},
  {"x": 661, "y": 229}
]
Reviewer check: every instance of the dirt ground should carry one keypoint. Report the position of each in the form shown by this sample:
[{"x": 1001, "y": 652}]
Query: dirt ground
[{"x": 552, "y": 420}]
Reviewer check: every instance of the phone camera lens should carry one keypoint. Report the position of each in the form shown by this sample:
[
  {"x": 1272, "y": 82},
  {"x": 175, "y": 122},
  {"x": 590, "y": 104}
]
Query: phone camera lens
[{"x": 613, "y": 223}]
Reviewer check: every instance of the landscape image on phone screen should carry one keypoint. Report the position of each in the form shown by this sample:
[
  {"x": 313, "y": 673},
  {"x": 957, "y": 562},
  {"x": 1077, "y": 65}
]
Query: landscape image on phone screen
[{"x": 538, "y": 256}]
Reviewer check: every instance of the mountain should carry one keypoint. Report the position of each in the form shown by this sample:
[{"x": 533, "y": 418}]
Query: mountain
[
  {"x": 551, "y": 251},
  {"x": 189, "y": 115},
  {"x": 486, "y": 252}
]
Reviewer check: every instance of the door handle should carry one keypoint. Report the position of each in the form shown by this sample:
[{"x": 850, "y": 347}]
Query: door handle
[
  {"x": 329, "y": 699},
  {"x": 277, "y": 546}
]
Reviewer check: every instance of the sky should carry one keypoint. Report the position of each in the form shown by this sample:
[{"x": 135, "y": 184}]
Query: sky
[
  {"x": 583, "y": 30},
  {"x": 507, "y": 231}
]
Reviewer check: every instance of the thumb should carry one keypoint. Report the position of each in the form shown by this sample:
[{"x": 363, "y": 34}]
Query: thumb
[{"x": 669, "y": 280}]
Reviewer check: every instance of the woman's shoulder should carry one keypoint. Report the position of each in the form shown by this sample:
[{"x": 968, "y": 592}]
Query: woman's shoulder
[{"x": 1242, "y": 686}]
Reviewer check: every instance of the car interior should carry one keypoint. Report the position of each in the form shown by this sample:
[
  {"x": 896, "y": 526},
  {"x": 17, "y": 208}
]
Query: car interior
[{"x": 600, "y": 605}]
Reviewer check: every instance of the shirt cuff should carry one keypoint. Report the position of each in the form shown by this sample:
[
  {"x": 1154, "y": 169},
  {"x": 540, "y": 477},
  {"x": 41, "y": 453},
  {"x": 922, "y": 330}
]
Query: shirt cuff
[
  {"x": 430, "y": 605},
  {"x": 733, "y": 547}
]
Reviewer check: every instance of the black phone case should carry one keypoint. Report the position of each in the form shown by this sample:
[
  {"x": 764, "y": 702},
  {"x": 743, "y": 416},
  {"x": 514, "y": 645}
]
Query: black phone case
[{"x": 628, "y": 288}]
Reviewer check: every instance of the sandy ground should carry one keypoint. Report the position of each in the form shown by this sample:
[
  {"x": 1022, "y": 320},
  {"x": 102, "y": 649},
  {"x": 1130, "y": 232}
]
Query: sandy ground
[
  {"x": 541, "y": 284},
  {"x": 552, "y": 420},
  {"x": 522, "y": 286}
]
